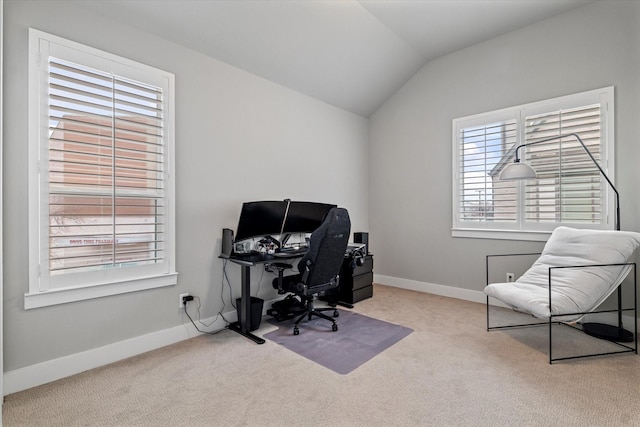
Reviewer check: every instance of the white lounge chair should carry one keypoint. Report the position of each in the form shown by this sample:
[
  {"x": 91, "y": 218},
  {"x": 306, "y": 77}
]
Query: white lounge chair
[{"x": 576, "y": 272}]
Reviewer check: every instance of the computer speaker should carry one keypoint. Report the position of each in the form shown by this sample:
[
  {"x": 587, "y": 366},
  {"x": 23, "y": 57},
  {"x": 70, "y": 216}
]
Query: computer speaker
[
  {"x": 227, "y": 242},
  {"x": 363, "y": 238}
]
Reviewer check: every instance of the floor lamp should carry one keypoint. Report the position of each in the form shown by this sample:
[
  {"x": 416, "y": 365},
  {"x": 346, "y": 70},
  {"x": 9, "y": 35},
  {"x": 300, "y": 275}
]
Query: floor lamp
[{"x": 519, "y": 171}]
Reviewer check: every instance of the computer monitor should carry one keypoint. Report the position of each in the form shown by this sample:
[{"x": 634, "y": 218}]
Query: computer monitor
[
  {"x": 259, "y": 219},
  {"x": 305, "y": 217}
]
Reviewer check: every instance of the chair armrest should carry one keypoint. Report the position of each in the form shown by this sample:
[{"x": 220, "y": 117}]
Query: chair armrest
[{"x": 279, "y": 281}]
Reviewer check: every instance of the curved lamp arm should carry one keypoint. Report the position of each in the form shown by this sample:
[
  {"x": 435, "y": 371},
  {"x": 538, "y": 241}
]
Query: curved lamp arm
[{"x": 522, "y": 173}]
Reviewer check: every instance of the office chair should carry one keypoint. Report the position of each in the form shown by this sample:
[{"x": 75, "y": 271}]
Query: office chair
[{"x": 319, "y": 267}]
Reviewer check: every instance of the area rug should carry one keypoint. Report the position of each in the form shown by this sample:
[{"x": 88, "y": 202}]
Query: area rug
[{"x": 358, "y": 339}]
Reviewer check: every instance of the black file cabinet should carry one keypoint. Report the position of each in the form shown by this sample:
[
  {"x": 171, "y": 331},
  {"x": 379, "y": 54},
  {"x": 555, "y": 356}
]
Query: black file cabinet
[{"x": 356, "y": 283}]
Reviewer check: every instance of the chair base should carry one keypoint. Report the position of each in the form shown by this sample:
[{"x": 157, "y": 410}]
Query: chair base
[
  {"x": 607, "y": 332},
  {"x": 318, "y": 312}
]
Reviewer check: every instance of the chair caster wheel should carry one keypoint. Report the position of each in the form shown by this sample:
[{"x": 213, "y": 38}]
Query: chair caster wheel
[
  {"x": 334, "y": 327},
  {"x": 336, "y": 313},
  {"x": 296, "y": 331}
]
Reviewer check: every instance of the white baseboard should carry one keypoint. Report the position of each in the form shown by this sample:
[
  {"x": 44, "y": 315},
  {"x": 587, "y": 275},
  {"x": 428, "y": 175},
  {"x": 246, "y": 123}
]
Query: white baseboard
[
  {"x": 431, "y": 288},
  {"x": 52, "y": 370}
]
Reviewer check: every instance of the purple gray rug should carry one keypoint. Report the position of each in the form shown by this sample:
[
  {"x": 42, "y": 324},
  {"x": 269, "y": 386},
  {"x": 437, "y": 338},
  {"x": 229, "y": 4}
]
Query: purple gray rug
[{"x": 358, "y": 339}]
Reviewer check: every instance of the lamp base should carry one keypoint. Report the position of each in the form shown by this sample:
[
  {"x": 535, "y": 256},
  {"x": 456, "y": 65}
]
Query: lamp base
[{"x": 607, "y": 332}]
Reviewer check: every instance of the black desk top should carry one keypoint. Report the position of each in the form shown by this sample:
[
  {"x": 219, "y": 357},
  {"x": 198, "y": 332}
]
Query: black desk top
[{"x": 255, "y": 258}]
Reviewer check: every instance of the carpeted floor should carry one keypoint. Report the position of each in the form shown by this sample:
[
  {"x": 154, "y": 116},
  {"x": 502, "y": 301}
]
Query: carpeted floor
[{"x": 448, "y": 372}]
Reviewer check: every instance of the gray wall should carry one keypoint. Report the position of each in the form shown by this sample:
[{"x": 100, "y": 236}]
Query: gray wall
[
  {"x": 235, "y": 131},
  {"x": 588, "y": 48},
  {"x": 236, "y": 136}
]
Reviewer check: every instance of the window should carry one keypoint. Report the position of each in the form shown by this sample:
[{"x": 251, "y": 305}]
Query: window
[
  {"x": 101, "y": 182},
  {"x": 569, "y": 189}
]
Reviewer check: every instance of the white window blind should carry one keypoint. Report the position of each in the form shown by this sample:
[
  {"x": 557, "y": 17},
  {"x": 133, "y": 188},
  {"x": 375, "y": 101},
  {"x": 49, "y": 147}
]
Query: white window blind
[
  {"x": 106, "y": 167},
  {"x": 569, "y": 189},
  {"x": 101, "y": 186},
  {"x": 482, "y": 198}
]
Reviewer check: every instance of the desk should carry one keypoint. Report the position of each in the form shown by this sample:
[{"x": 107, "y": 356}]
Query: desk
[{"x": 245, "y": 262}]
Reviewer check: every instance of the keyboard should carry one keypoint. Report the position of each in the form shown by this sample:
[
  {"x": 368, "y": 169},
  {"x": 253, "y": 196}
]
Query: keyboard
[
  {"x": 290, "y": 251},
  {"x": 282, "y": 255}
]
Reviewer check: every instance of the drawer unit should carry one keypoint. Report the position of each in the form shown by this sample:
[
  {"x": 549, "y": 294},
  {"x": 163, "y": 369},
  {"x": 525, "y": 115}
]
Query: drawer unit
[{"x": 356, "y": 283}]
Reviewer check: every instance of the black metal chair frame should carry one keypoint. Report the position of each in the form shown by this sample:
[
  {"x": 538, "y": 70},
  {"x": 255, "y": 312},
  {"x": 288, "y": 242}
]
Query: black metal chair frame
[{"x": 554, "y": 318}]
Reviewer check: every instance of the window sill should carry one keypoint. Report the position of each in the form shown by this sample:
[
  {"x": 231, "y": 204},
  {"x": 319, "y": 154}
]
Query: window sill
[
  {"x": 63, "y": 296},
  {"x": 534, "y": 236}
]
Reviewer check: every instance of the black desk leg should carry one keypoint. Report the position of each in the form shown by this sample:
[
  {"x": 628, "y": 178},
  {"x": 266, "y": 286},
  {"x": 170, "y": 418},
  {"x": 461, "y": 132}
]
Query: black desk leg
[{"x": 243, "y": 324}]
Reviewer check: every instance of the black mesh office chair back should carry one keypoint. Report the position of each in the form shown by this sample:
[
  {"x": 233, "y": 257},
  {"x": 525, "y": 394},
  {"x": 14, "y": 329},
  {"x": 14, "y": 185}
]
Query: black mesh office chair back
[
  {"x": 319, "y": 267},
  {"x": 327, "y": 246}
]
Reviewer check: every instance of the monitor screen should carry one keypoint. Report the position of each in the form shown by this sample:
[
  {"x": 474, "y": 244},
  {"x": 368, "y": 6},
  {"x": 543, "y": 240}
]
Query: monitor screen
[
  {"x": 305, "y": 217},
  {"x": 258, "y": 219}
]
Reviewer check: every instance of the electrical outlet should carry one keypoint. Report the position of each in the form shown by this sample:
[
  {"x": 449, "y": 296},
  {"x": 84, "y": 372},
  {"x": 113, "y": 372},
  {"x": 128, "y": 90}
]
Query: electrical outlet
[
  {"x": 180, "y": 304},
  {"x": 511, "y": 277}
]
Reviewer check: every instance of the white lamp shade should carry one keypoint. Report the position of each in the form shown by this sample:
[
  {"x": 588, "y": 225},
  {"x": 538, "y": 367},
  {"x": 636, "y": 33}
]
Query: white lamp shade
[{"x": 516, "y": 171}]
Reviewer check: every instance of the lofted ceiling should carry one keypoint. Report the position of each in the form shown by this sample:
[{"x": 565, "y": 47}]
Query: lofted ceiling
[{"x": 352, "y": 54}]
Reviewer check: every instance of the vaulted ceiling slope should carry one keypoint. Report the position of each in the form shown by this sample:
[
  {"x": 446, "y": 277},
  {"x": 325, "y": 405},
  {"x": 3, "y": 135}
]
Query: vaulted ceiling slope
[{"x": 353, "y": 54}]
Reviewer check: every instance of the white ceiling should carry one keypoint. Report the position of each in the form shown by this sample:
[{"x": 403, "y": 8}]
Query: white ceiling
[{"x": 353, "y": 54}]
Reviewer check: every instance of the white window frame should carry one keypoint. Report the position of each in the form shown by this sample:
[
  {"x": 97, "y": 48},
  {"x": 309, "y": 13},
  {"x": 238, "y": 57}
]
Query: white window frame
[
  {"x": 83, "y": 286},
  {"x": 521, "y": 230}
]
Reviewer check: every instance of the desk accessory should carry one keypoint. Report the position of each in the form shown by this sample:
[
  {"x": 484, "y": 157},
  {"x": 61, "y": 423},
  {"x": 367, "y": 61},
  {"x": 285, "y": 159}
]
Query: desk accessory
[
  {"x": 242, "y": 247},
  {"x": 227, "y": 243},
  {"x": 361, "y": 237}
]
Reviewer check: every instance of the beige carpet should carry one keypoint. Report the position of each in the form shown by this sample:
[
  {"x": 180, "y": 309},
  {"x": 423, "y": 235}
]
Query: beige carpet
[{"x": 448, "y": 372}]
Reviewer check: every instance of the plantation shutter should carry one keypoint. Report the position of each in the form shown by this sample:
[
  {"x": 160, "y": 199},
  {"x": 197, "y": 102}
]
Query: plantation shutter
[
  {"x": 483, "y": 149},
  {"x": 569, "y": 185},
  {"x": 106, "y": 170}
]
